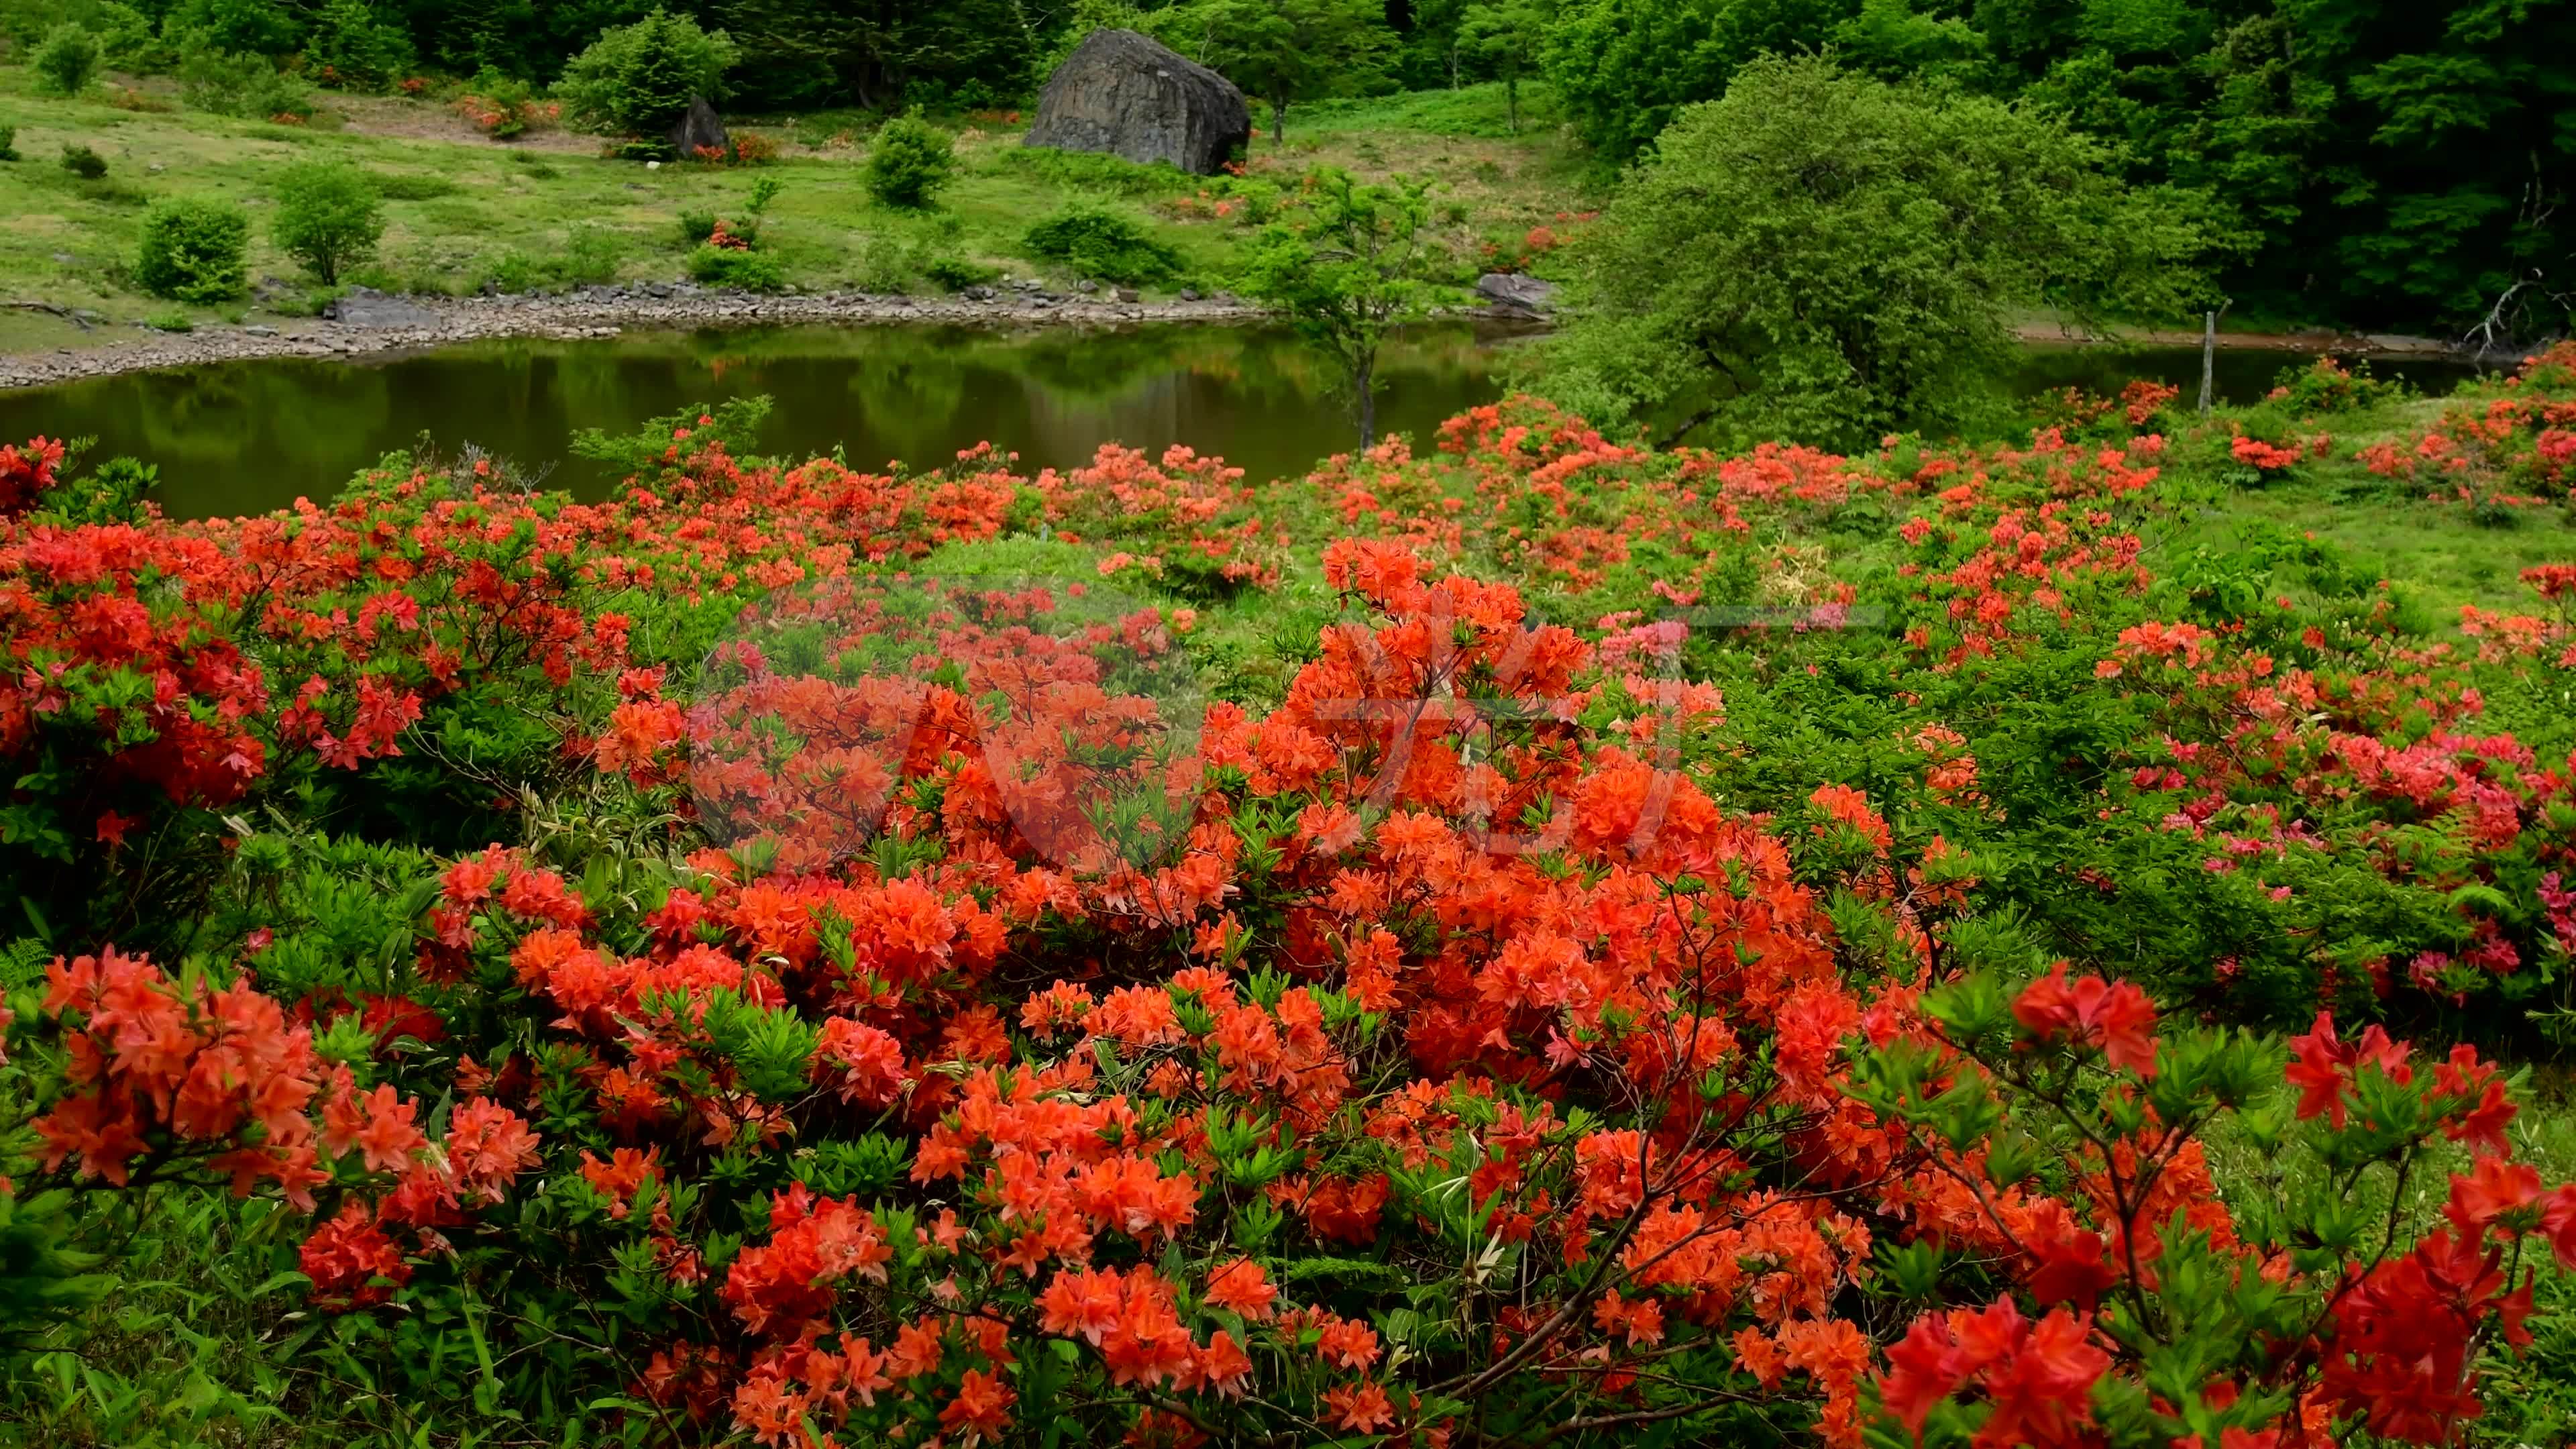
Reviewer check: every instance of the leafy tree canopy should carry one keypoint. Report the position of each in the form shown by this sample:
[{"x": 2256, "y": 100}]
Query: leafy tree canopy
[{"x": 1828, "y": 257}]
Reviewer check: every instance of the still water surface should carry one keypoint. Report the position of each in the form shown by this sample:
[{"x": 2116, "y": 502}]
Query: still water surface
[{"x": 250, "y": 436}]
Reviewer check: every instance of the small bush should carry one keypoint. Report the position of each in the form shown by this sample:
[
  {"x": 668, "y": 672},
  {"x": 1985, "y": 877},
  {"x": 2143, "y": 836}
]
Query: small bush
[
  {"x": 750, "y": 148},
  {"x": 67, "y": 60},
  {"x": 696, "y": 227},
  {"x": 193, "y": 251},
  {"x": 235, "y": 83},
  {"x": 592, "y": 255},
  {"x": 503, "y": 106},
  {"x": 1092, "y": 171},
  {"x": 83, "y": 162},
  {"x": 638, "y": 78},
  {"x": 715, "y": 266},
  {"x": 414, "y": 186},
  {"x": 589, "y": 256},
  {"x": 956, "y": 274},
  {"x": 127, "y": 98},
  {"x": 171, "y": 320},
  {"x": 1104, "y": 245},
  {"x": 8, "y": 143},
  {"x": 329, "y": 217},
  {"x": 910, "y": 163},
  {"x": 889, "y": 265},
  {"x": 2327, "y": 386}
]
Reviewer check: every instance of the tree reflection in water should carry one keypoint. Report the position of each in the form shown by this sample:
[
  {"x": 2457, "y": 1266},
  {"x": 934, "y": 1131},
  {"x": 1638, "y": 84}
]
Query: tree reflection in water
[{"x": 245, "y": 437}]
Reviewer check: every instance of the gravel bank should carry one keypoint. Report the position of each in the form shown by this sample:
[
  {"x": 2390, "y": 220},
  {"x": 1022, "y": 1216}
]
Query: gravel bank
[{"x": 378, "y": 324}]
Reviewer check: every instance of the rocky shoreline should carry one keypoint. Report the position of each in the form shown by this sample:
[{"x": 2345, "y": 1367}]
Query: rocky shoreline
[{"x": 368, "y": 323}]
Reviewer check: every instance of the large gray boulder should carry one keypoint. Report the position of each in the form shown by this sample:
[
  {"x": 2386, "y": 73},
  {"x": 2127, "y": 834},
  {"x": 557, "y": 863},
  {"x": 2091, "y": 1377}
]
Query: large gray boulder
[
  {"x": 699, "y": 129},
  {"x": 1516, "y": 292},
  {"x": 1126, "y": 95}
]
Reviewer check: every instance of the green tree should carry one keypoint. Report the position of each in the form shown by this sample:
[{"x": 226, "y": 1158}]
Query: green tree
[
  {"x": 1624, "y": 68},
  {"x": 639, "y": 78},
  {"x": 909, "y": 162},
  {"x": 1283, "y": 51},
  {"x": 67, "y": 60},
  {"x": 1505, "y": 39},
  {"x": 354, "y": 46},
  {"x": 1345, "y": 268},
  {"x": 247, "y": 27},
  {"x": 329, "y": 217},
  {"x": 1827, "y": 257}
]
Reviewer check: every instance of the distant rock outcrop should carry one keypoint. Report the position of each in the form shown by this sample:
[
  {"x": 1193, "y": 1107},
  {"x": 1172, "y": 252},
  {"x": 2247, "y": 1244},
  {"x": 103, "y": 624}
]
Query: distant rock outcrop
[
  {"x": 1126, "y": 95},
  {"x": 700, "y": 130}
]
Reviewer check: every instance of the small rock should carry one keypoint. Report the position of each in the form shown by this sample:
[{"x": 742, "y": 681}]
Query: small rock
[
  {"x": 1088, "y": 287},
  {"x": 1130, "y": 294},
  {"x": 1189, "y": 294},
  {"x": 259, "y": 332},
  {"x": 652, "y": 165}
]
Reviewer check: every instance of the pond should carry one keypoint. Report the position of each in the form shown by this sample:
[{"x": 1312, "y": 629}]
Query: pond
[{"x": 251, "y": 436}]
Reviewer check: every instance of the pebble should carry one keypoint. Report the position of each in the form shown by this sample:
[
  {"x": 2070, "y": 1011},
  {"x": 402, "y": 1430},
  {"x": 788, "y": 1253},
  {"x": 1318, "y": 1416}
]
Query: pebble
[{"x": 594, "y": 312}]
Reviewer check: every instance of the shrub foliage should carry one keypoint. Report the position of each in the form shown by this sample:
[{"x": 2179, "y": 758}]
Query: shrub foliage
[
  {"x": 726, "y": 962},
  {"x": 194, "y": 250}
]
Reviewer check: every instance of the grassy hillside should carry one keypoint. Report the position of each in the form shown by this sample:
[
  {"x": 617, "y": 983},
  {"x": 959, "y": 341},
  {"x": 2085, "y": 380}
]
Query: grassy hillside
[{"x": 466, "y": 212}]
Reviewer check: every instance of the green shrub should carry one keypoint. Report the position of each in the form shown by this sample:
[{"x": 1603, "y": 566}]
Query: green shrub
[
  {"x": 910, "y": 163},
  {"x": 67, "y": 60},
  {"x": 83, "y": 162},
  {"x": 8, "y": 143},
  {"x": 1105, "y": 245},
  {"x": 956, "y": 274},
  {"x": 741, "y": 271},
  {"x": 638, "y": 78},
  {"x": 193, "y": 250},
  {"x": 352, "y": 47},
  {"x": 1093, "y": 171},
  {"x": 591, "y": 256},
  {"x": 696, "y": 227},
  {"x": 237, "y": 83},
  {"x": 171, "y": 320},
  {"x": 2327, "y": 386},
  {"x": 329, "y": 217},
  {"x": 414, "y": 186}
]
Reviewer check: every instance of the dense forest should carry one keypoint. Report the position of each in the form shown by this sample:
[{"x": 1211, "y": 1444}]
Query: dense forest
[{"x": 2381, "y": 164}]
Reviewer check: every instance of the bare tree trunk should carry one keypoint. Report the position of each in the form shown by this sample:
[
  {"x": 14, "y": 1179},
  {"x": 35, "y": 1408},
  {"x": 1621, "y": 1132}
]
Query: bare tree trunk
[
  {"x": 1512, "y": 99},
  {"x": 1279, "y": 120},
  {"x": 1364, "y": 381},
  {"x": 2209, "y": 356}
]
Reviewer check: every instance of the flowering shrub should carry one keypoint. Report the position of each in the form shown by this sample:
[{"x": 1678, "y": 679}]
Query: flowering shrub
[
  {"x": 1516, "y": 943},
  {"x": 2513, "y": 446},
  {"x": 502, "y": 108}
]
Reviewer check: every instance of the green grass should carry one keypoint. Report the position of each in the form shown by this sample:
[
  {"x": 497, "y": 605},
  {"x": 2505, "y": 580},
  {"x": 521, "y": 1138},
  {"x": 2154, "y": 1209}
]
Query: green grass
[{"x": 463, "y": 211}]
